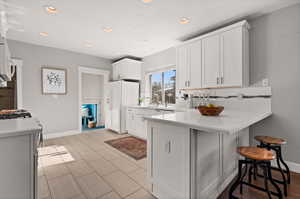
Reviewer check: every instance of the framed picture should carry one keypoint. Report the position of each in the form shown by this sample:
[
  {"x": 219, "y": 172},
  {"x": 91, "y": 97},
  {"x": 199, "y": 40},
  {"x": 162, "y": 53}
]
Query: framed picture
[{"x": 54, "y": 81}]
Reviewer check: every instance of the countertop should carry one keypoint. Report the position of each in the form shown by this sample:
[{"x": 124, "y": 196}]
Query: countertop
[
  {"x": 229, "y": 121},
  {"x": 20, "y": 126},
  {"x": 163, "y": 108}
]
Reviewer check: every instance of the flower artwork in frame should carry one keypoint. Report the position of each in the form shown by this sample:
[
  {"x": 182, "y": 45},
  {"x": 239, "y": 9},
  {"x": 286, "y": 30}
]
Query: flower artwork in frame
[{"x": 54, "y": 81}]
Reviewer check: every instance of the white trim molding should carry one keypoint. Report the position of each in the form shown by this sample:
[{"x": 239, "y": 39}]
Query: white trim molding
[
  {"x": 61, "y": 134},
  {"x": 93, "y": 71},
  {"x": 293, "y": 166},
  {"x": 19, "y": 64}
]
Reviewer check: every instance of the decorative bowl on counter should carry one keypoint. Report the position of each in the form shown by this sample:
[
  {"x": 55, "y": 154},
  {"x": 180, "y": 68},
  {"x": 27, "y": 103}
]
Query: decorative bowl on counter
[{"x": 210, "y": 110}]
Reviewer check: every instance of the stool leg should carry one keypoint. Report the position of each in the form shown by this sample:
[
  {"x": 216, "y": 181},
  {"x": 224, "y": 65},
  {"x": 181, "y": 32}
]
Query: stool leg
[
  {"x": 285, "y": 165},
  {"x": 271, "y": 180},
  {"x": 255, "y": 170},
  {"x": 241, "y": 185},
  {"x": 237, "y": 182},
  {"x": 265, "y": 170},
  {"x": 281, "y": 172},
  {"x": 250, "y": 174}
]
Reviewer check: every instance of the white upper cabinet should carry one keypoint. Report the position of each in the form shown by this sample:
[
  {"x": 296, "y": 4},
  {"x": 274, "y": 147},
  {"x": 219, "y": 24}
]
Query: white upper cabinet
[
  {"x": 234, "y": 63},
  {"x": 189, "y": 65},
  {"x": 211, "y": 61},
  {"x": 182, "y": 67},
  {"x": 127, "y": 69},
  {"x": 215, "y": 60},
  {"x": 195, "y": 65}
]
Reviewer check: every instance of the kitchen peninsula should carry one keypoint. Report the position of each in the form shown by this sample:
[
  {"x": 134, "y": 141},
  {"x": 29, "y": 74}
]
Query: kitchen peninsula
[{"x": 194, "y": 156}]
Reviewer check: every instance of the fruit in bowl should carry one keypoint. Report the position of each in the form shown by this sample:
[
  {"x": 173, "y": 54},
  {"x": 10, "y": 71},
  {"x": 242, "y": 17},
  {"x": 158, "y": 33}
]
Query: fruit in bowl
[{"x": 210, "y": 110}]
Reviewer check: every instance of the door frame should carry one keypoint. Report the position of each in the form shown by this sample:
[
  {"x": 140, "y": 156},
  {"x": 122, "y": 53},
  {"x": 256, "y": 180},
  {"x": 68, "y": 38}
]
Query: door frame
[
  {"x": 93, "y": 71},
  {"x": 19, "y": 66}
]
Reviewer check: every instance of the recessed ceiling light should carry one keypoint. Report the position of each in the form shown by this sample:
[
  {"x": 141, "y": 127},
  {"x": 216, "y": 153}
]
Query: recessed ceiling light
[
  {"x": 147, "y": 1},
  {"x": 184, "y": 20},
  {"x": 44, "y": 34},
  {"x": 51, "y": 9},
  {"x": 107, "y": 29}
]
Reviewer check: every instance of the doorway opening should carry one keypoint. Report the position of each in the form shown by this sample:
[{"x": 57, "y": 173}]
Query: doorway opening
[{"x": 92, "y": 97}]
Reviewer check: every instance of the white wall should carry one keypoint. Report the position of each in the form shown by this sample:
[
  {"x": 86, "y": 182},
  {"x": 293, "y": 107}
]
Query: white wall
[
  {"x": 57, "y": 113},
  {"x": 275, "y": 54}
]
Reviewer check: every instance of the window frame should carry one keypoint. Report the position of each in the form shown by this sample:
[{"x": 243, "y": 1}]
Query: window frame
[{"x": 161, "y": 71}]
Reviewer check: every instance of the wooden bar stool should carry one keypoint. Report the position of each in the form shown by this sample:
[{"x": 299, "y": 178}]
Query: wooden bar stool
[
  {"x": 258, "y": 157},
  {"x": 274, "y": 144}
]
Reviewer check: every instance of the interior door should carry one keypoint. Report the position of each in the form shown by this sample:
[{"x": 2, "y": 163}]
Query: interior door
[
  {"x": 210, "y": 61},
  {"x": 232, "y": 57},
  {"x": 182, "y": 67},
  {"x": 195, "y": 73}
]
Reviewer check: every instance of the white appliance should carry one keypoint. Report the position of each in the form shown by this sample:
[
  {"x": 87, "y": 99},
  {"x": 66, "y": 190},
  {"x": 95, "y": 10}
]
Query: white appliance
[
  {"x": 121, "y": 94},
  {"x": 6, "y": 63}
]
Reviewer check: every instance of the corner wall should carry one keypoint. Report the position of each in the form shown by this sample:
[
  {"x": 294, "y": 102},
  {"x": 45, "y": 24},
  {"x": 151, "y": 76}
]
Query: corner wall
[{"x": 275, "y": 54}]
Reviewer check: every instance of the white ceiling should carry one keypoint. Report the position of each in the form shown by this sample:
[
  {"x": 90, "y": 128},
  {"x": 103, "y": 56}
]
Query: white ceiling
[{"x": 138, "y": 29}]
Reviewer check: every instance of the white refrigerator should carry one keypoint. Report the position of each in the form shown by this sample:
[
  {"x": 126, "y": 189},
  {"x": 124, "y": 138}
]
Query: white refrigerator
[{"x": 121, "y": 94}]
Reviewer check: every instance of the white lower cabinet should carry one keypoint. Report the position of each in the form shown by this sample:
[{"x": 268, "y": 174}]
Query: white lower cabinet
[
  {"x": 187, "y": 164},
  {"x": 169, "y": 166},
  {"x": 136, "y": 125},
  {"x": 19, "y": 164}
]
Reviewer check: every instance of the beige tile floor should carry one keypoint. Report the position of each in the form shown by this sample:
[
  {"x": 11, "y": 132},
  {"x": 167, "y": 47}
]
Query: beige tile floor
[{"x": 84, "y": 167}]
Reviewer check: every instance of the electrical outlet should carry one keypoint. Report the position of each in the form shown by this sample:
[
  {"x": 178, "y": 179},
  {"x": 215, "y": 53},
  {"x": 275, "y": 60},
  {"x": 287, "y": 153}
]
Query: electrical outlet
[{"x": 265, "y": 82}]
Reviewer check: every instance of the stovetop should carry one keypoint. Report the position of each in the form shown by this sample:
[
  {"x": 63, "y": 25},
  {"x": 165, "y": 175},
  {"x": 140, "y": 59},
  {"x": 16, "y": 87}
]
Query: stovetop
[{"x": 13, "y": 114}]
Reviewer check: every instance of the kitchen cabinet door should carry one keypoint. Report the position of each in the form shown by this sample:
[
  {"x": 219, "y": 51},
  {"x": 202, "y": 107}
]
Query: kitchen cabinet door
[
  {"x": 195, "y": 69},
  {"x": 232, "y": 58},
  {"x": 211, "y": 61},
  {"x": 129, "y": 118},
  {"x": 182, "y": 65},
  {"x": 170, "y": 161}
]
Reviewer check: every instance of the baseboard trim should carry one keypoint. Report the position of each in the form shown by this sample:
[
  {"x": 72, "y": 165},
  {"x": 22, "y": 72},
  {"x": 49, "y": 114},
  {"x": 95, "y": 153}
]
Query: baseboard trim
[
  {"x": 295, "y": 167},
  {"x": 61, "y": 134}
]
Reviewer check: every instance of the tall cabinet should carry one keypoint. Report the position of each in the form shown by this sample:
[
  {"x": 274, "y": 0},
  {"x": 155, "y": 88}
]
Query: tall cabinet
[{"x": 215, "y": 60}]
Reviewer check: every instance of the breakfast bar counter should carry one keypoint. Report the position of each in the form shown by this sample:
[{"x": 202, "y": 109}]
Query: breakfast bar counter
[
  {"x": 191, "y": 156},
  {"x": 229, "y": 121}
]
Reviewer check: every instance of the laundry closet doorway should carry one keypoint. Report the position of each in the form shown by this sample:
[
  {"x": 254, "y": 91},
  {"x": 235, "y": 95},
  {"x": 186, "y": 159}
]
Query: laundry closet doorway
[{"x": 92, "y": 98}]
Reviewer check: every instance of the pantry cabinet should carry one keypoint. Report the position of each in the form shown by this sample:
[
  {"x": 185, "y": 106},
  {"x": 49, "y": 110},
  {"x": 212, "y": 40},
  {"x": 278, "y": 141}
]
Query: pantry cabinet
[{"x": 215, "y": 60}]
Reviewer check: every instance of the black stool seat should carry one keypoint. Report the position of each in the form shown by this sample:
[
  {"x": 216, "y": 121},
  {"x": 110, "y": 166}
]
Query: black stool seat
[{"x": 255, "y": 157}]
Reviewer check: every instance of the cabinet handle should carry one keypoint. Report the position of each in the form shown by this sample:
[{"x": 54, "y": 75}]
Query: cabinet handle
[
  {"x": 189, "y": 84},
  {"x": 222, "y": 80},
  {"x": 217, "y": 80},
  {"x": 168, "y": 147},
  {"x": 185, "y": 83}
]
